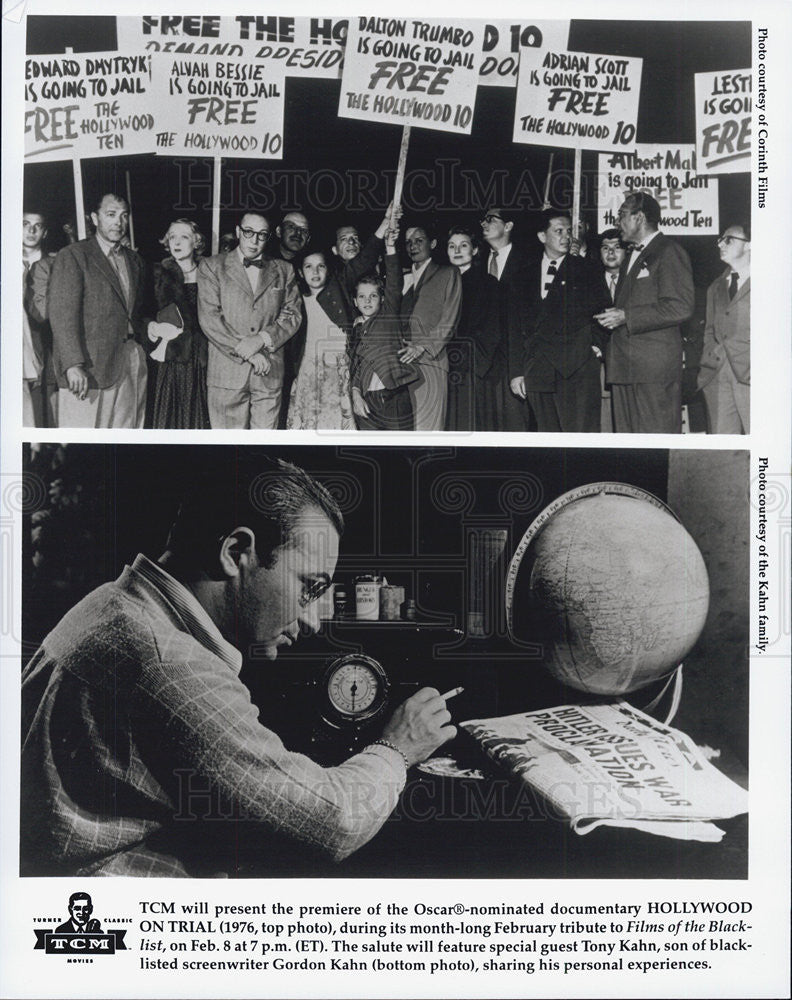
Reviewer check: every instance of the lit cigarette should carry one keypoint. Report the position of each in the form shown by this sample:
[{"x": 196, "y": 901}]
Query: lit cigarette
[{"x": 452, "y": 693}]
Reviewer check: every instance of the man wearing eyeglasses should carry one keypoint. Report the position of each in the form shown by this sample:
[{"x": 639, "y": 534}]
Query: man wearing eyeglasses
[
  {"x": 725, "y": 373},
  {"x": 293, "y": 234},
  {"x": 654, "y": 296},
  {"x": 249, "y": 307},
  {"x": 142, "y": 753}
]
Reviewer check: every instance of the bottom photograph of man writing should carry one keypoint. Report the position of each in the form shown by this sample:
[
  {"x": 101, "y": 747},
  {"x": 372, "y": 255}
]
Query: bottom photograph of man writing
[{"x": 367, "y": 662}]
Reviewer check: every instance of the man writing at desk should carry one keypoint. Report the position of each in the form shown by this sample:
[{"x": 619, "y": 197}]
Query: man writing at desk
[{"x": 136, "y": 695}]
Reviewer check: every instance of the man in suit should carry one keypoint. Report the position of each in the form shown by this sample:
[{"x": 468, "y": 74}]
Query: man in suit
[
  {"x": 510, "y": 267},
  {"x": 654, "y": 296},
  {"x": 725, "y": 372},
  {"x": 611, "y": 254},
  {"x": 80, "y": 921},
  {"x": 96, "y": 301},
  {"x": 430, "y": 309},
  {"x": 39, "y": 388},
  {"x": 249, "y": 307},
  {"x": 559, "y": 368}
]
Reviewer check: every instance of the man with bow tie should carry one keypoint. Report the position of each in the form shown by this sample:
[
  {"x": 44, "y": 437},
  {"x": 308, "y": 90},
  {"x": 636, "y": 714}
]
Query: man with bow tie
[
  {"x": 249, "y": 307},
  {"x": 654, "y": 296},
  {"x": 725, "y": 372},
  {"x": 96, "y": 297},
  {"x": 558, "y": 366}
]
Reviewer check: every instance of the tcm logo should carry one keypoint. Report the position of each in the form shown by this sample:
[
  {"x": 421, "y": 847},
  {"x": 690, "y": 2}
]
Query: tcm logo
[{"x": 81, "y": 934}]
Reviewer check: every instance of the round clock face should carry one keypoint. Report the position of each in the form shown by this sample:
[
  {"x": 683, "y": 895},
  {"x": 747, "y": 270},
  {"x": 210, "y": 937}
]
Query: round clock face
[{"x": 356, "y": 687}]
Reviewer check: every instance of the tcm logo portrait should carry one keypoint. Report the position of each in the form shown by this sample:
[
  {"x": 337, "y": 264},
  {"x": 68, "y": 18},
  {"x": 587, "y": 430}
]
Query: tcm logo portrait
[{"x": 81, "y": 934}]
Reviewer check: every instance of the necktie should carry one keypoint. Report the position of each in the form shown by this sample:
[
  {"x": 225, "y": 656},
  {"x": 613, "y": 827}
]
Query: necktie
[
  {"x": 257, "y": 262},
  {"x": 552, "y": 270},
  {"x": 613, "y": 278},
  {"x": 118, "y": 264},
  {"x": 493, "y": 264},
  {"x": 733, "y": 279}
]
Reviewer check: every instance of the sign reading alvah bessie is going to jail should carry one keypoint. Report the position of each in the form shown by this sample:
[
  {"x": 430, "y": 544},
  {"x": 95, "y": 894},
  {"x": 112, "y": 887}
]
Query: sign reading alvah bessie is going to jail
[
  {"x": 215, "y": 106},
  {"x": 408, "y": 71},
  {"x": 91, "y": 104},
  {"x": 577, "y": 99}
]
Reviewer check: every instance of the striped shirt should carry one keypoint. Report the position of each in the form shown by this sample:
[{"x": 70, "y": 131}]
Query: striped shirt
[{"x": 143, "y": 754}]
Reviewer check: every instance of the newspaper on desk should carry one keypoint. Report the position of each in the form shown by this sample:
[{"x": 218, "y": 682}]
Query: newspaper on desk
[{"x": 613, "y": 765}]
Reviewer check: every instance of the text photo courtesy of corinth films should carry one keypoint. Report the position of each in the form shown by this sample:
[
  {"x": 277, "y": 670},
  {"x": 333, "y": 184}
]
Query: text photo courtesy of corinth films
[{"x": 304, "y": 714}]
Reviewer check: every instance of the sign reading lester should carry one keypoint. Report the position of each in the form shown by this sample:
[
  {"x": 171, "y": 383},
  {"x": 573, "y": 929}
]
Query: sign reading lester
[
  {"x": 577, "y": 99},
  {"x": 86, "y": 105},
  {"x": 723, "y": 122},
  {"x": 688, "y": 202},
  {"x": 411, "y": 72},
  {"x": 215, "y": 106}
]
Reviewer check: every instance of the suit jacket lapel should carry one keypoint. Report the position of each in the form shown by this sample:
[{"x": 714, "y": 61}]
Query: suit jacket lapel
[
  {"x": 267, "y": 276},
  {"x": 236, "y": 271},
  {"x": 426, "y": 274},
  {"x": 106, "y": 268}
]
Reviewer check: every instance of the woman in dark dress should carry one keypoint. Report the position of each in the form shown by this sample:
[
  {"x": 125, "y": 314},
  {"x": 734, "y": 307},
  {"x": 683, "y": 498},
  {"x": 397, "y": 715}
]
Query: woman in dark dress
[
  {"x": 470, "y": 407},
  {"x": 180, "y": 392}
]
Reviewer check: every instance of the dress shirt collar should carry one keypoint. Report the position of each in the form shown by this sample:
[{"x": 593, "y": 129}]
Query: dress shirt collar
[
  {"x": 546, "y": 262},
  {"x": 106, "y": 247},
  {"x": 189, "y": 609},
  {"x": 31, "y": 259},
  {"x": 418, "y": 271},
  {"x": 502, "y": 256}
]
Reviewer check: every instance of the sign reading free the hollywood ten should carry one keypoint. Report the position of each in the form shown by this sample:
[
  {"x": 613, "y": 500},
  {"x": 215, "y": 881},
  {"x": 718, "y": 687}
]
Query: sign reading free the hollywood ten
[
  {"x": 91, "y": 104},
  {"x": 410, "y": 71},
  {"x": 577, "y": 99}
]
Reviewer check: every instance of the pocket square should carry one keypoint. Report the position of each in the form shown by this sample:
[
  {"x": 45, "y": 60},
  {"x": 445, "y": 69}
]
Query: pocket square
[{"x": 643, "y": 272}]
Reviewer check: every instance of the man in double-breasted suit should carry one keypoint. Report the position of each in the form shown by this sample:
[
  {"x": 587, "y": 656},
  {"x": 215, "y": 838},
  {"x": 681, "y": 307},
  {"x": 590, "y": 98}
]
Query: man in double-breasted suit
[
  {"x": 654, "y": 296},
  {"x": 249, "y": 307},
  {"x": 558, "y": 369},
  {"x": 725, "y": 372},
  {"x": 431, "y": 304},
  {"x": 96, "y": 298}
]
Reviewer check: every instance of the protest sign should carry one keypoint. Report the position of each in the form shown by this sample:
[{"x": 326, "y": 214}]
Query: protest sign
[
  {"x": 576, "y": 99},
  {"x": 214, "y": 106},
  {"x": 688, "y": 201},
  {"x": 301, "y": 46},
  {"x": 412, "y": 72},
  {"x": 86, "y": 105},
  {"x": 502, "y": 42},
  {"x": 723, "y": 122}
]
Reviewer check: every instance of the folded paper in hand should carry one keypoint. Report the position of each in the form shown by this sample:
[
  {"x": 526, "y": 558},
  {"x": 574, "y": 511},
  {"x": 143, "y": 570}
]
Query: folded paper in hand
[
  {"x": 612, "y": 765},
  {"x": 168, "y": 314}
]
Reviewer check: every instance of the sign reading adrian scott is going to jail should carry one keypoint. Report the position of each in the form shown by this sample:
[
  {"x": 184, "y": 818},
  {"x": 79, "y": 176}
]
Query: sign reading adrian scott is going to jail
[
  {"x": 723, "y": 122},
  {"x": 688, "y": 201},
  {"x": 411, "y": 72},
  {"x": 91, "y": 104},
  {"x": 301, "y": 46},
  {"x": 576, "y": 99},
  {"x": 211, "y": 105}
]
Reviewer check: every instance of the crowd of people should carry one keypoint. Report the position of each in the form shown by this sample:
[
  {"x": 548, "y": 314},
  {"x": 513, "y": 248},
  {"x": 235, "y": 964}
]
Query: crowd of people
[{"x": 274, "y": 332}]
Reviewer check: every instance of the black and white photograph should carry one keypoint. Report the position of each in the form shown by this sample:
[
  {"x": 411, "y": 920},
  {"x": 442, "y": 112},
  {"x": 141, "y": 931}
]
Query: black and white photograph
[
  {"x": 279, "y": 609},
  {"x": 494, "y": 700},
  {"x": 372, "y": 277}
]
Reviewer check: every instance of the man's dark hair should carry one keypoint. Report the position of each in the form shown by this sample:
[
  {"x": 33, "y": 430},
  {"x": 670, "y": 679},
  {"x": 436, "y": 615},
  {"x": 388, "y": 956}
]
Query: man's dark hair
[
  {"x": 739, "y": 224},
  {"x": 642, "y": 201},
  {"x": 425, "y": 225},
  {"x": 370, "y": 279},
  {"x": 267, "y": 496},
  {"x": 28, "y": 210},
  {"x": 547, "y": 216},
  {"x": 254, "y": 211},
  {"x": 610, "y": 234},
  {"x": 505, "y": 214},
  {"x": 96, "y": 204},
  {"x": 79, "y": 895}
]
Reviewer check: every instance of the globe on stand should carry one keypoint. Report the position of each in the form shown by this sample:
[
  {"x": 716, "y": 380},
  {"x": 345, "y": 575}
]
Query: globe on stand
[{"x": 611, "y": 585}]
